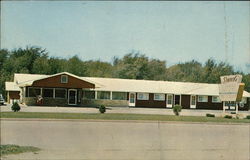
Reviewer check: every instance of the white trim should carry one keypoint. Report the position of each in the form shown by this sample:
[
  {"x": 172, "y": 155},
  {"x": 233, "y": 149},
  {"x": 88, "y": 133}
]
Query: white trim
[
  {"x": 169, "y": 105},
  {"x": 129, "y": 103},
  {"x": 191, "y": 105},
  {"x": 75, "y": 96},
  {"x": 67, "y": 78}
]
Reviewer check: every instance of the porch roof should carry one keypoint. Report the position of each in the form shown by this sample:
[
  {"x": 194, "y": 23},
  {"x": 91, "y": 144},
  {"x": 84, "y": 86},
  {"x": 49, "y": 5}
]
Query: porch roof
[
  {"x": 11, "y": 86},
  {"x": 149, "y": 86}
]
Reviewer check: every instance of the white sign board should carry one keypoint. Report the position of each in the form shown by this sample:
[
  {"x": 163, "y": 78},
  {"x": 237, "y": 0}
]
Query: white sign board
[{"x": 229, "y": 87}]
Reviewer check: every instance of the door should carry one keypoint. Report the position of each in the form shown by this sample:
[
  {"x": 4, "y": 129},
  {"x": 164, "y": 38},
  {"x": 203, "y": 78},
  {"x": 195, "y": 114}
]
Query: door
[
  {"x": 169, "y": 101},
  {"x": 132, "y": 99},
  {"x": 177, "y": 99},
  {"x": 72, "y": 96},
  {"x": 192, "y": 101}
]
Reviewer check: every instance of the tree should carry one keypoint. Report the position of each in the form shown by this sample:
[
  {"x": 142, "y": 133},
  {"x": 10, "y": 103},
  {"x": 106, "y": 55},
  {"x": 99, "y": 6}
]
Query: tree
[
  {"x": 132, "y": 66},
  {"x": 157, "y": 69},
  {"x": 4, "y": 53},
  {"x": 76, "y": 66},
  {"x": 98, "y": 69},
  {"x": 57, "y": 65},
  {"x": 41, "y": 66}
]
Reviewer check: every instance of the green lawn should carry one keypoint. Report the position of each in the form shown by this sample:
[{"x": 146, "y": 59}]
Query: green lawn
[
  {"x": 15, "y": 149},
  {"x": 118, "y": 116}
]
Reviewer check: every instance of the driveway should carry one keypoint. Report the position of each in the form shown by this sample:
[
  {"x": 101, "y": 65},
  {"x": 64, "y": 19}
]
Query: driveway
[
  {"x": 89, "y": 140},
  {"x": 161, "y": 111}
]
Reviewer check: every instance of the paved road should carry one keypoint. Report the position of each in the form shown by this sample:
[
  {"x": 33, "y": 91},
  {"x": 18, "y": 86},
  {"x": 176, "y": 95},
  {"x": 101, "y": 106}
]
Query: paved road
[{"x": 126, "y": 140}]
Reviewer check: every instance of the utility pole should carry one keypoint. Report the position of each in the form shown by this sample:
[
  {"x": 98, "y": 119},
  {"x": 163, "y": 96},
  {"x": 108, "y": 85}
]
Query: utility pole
[{"x": 225, "y": 36}]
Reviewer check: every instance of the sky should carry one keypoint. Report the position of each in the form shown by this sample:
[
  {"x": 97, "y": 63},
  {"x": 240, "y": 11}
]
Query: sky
[{"x": 166, "y": 30}]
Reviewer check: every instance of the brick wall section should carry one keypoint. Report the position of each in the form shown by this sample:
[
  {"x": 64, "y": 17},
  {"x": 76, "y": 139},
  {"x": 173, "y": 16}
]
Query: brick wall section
[
  {"x": 106, "y": 102},
  {"x": 31, "y": 101},
  {"x": 209, "y": 105},
  {"x": 151, "y": 103},
  {"x": 14, "y": 94},
  {"x": 55, "y": 81}
]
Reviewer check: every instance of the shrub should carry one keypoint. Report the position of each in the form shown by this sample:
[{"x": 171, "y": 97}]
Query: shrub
[
  {"x": 102, "y": 109},
  {"x": 210, "y": 115},
  {"x": 228, "y": 116},
  {"x": 248, "y": 117},
  {"x": 15, "y": 107},
  {"x": 177, "y": 109}
]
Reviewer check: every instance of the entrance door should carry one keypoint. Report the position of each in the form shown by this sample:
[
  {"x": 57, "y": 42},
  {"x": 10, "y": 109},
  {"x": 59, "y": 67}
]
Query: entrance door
[
  {"x": 169, "y": 101},
  {"x": 72, "y": 96},
  {"x": 132, "y": 99},
  {"x": 177, "y": 99},
  {"x": 192, "y": 101}
]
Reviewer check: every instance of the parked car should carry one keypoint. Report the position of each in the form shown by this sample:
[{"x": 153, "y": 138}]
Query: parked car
[{"x": 1, "y": 99}]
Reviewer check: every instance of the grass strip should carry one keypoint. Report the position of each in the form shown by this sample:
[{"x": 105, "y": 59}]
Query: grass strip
[
  {"x": 119, "y": 116},
  {"x": 15, "y": 149}
]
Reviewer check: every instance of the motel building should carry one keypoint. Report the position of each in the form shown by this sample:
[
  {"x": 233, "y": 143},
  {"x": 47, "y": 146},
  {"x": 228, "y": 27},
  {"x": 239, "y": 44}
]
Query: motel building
[{"x": 65, "y": 89}]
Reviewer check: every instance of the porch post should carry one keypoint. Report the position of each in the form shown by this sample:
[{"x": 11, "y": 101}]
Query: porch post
[
  {"x": 54, "y": 93},
  {"x": 223, "y": 106},
  {"x": 41, "y": 91},
  {"x": 111, "y": 95},
  {"x": 8, "y": 97},
  {"x": 95, "y": 94},
  {"x": 237, "y": 107}
]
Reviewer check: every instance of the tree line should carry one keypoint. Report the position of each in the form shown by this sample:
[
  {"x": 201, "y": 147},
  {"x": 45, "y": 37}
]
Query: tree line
[{"x": 36, "y": 60}]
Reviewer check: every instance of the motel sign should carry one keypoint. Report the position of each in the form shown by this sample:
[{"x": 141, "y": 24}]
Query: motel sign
[{"x": 231, "y": 89}]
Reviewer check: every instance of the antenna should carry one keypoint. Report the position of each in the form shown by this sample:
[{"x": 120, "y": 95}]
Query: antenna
[{"x": 226, "y": 38}]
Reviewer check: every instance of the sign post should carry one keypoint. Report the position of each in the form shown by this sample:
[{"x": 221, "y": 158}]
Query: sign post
[{"x": 231, "y": 90}]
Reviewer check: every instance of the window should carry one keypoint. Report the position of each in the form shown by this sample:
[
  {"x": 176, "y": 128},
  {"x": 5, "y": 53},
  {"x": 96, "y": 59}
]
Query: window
[
  {"x": 64, "y": 79},
  {"x": 33, "y": 92},
  {"x": 159, "y": 97},
  {"x": 48, "y": 92},
  {"x": 215, "y": 99},
  {"x": 103, "y": 95},
  {"x": 142, "y": 96},
  {"x": 170, "y": 99},
  {"x": 244, "y": 100},
  {"x": 202, "y": 98},
  {"x": 119, "y": 96},
  {"x": 89, "y": 94},
  {"x": 60, "y": 93}
]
